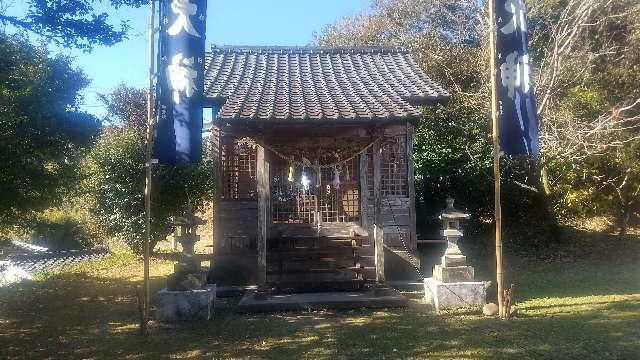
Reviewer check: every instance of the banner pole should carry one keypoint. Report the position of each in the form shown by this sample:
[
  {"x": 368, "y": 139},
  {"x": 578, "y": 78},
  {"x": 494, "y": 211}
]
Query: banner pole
[
  {"x": 148, "y": 167},
  {"x": 496, "y": 157}
]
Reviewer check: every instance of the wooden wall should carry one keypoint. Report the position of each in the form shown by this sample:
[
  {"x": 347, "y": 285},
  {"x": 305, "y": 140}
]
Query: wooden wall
[
  {"x": 397, "y": 213},
  {"x": 241, "y": 226}
]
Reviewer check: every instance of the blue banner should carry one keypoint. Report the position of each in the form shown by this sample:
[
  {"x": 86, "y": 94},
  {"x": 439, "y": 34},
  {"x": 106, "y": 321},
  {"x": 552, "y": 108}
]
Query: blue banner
[
  {"x": 517, "y": 117},
  {"x": 180, "y": 82}
]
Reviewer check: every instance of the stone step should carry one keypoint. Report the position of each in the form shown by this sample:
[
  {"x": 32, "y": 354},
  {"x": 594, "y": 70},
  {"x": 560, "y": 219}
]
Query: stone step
[
  {"x": 291, "y": 285},
  {"x": 322, "y": 300}
]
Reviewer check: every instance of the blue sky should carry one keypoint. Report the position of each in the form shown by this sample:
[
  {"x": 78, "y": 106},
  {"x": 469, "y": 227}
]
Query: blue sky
[{"x": 235, "y": 22}]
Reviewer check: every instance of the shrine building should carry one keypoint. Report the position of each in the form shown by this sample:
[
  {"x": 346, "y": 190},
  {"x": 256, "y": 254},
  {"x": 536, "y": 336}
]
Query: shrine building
[{"x": 312, "y": 151}]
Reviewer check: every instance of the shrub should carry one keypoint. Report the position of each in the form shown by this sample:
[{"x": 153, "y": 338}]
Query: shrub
[
  {"x": 59, "y": 230},
  {"x": 113, "y": 188}
]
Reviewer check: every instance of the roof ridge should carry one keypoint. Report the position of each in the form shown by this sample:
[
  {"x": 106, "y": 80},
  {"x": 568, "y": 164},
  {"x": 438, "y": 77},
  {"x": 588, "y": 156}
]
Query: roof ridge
[{"x": 270, "y": 49}]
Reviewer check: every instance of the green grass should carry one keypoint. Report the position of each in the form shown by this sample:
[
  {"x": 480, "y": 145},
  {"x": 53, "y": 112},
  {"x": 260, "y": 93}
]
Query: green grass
[{"x": 576, "y": 307}]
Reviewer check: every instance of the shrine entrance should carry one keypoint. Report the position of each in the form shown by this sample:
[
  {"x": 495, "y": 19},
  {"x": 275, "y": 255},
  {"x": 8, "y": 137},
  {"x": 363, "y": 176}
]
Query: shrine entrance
[
  {"x": 312, "y": 155},
  {"x": 315, "y": 195},
  {"x": 316, "y": 241}
]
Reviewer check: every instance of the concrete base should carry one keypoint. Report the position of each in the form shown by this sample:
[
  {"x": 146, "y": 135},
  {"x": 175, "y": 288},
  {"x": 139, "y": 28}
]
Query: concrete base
[
  {"x": 171, "y": 306},
  {"x": 454, "y": 295},
  {"x": 377, "y": 298}
]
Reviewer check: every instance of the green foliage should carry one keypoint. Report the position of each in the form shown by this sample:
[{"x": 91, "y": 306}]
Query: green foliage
[
  {"x": 58, "y": 230},
  {"x": 583, "y": 102},
  {"x": 43, "y": 135},
  {"x": 113, "y": 185},
  {"x": 72, "y": 23},
  {"x": 452, "y": 154}
]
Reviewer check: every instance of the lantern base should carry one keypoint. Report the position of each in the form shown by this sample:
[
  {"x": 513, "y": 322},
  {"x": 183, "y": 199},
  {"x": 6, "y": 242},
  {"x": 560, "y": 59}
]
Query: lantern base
[
  {"x": 454, "y": 295},
  {"x": 453, "y": 274},
  {"x": 171, "y": 306}
]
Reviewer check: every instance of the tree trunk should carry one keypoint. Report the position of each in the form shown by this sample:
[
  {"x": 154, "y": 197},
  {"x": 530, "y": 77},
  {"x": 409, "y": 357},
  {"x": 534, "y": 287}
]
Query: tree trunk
[
  {"x": 623, "y": 220},
  {"x": 544, "y": 178}
]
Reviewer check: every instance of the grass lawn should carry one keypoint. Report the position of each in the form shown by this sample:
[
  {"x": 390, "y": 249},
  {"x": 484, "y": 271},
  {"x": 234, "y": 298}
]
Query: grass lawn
[{"x": 585, "y": 305}]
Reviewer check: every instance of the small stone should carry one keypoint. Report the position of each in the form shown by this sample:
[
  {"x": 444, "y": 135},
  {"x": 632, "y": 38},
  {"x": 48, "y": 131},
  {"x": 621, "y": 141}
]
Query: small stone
[{"x": 490, "y": 309}]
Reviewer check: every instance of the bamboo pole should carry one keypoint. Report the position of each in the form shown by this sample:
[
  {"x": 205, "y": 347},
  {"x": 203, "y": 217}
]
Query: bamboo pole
[
  {"x": 496, "y": 157},
  {"x": 148, "y": 166}
]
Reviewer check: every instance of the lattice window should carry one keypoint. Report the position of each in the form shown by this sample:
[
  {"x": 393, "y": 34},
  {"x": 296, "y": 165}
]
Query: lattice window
[
  {"x": 343, "y": 204},
  {"x": 394, "y": 170},
  {"x": 238, "y": 169},
  {"x": 290, "y": 203},
  {"x": 294, "y": 205}
]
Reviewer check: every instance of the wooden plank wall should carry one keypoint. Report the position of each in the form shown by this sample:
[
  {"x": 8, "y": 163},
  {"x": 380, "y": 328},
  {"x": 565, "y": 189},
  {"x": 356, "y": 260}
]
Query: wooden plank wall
[
  {"x": 397, "y": 213},
  {"x": 238, "y": 226}
]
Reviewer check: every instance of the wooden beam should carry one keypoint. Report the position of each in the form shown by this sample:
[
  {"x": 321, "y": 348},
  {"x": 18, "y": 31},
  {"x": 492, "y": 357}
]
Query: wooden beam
[
  {"x": 412, "y": 189},
  {"x": 364, "y": 188},
  {"x": 378, "y": 227},
  {"x": 216, "y": 143},
  {"x": 262, "y": 178},
  {"x": 215, "y": 208}
]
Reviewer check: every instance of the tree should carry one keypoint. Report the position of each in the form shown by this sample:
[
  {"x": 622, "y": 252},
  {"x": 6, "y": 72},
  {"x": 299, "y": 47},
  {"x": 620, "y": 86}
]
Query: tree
[
  {"x": 71, "y": 23},
  {"x": 113, "y": 183},
  {"x": 585, "y": 54},
  {"x": 589, "y": 52},
  {"x": 43, "y": 134}
]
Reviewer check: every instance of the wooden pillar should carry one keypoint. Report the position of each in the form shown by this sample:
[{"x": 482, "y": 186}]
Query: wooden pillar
[
  {"x": 216, "y": 240},
  {"x": 364, "y": 188},
  {"x": 413, "y": 242},
  {"x": 262, "y": 179},
  {"x": 378, "y": 227}
]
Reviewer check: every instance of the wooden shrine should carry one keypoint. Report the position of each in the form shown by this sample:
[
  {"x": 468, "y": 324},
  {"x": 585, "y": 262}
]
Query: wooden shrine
[{"x": 312, "y": 150}]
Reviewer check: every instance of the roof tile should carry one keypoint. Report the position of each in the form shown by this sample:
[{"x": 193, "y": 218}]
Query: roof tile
[{"x": 299, "y": 83}]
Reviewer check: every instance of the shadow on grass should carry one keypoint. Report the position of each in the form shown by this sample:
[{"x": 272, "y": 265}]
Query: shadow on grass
[
  {"x": 92, "y": 313},
  {"x": 581, "y": 263}
]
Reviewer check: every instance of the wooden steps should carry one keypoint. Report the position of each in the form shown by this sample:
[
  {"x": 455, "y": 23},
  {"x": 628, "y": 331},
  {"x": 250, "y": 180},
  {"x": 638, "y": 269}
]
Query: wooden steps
[{"x": 320, "y": 263}]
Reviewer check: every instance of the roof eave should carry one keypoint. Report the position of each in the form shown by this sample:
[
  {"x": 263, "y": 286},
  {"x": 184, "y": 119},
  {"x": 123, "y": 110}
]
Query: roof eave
[{"x": 323, "y": 121}]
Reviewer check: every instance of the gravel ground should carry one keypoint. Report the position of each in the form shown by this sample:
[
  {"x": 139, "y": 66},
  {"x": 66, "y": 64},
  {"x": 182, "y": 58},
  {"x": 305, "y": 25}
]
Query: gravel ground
[{"x": 51, "y": 260}]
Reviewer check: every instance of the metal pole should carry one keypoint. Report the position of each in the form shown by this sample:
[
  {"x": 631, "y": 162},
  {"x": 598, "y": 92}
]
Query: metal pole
[
  {"x": 496, "y": 157},
  {"x": 148, "y": 166}
]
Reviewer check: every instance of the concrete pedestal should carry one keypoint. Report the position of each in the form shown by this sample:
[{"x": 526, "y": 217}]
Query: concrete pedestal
[
  {"x": 171, "y": 306},
  {"x": 454, "y": 295}
]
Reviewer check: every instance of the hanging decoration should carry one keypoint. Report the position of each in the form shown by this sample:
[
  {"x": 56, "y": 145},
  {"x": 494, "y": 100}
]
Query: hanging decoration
[
  {"x": 336, "y": 177},
  {"x": 304, "y": 179},
  {"x": 290, "y": 177},
  {"x": 318, "y": 170},
  {"x": 305, "y": 162}
]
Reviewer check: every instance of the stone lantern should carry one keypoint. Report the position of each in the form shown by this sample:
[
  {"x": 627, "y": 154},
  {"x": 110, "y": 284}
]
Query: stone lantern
[
  {"x": 453, "y": 267},
  {"x": 187, "y": 295},
  {"x": 187, "y": 273},
  {"x": 452, "y": 284}
]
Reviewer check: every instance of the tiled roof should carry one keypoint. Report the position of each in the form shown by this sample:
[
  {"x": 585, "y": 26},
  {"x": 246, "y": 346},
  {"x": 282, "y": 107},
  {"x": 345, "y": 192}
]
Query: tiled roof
[{"x": 316, "y": 83}]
